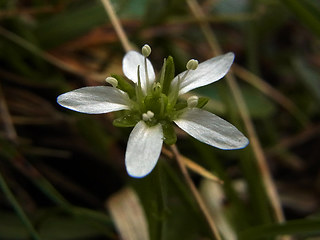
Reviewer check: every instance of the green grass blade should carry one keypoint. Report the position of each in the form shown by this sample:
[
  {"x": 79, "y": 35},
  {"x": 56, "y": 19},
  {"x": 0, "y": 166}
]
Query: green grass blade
[
  {"x": 307, "y": 12},
  {"x": 301, "y": 227},
  {"x": 15, "y": 204}
]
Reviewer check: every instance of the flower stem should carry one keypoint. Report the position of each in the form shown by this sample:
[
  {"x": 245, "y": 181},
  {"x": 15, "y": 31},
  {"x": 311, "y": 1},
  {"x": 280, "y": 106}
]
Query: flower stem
[
  {"x": 255, "y": 144},
  {"x": 117, "y": 25},
  {"x": 195, "y": 192}
]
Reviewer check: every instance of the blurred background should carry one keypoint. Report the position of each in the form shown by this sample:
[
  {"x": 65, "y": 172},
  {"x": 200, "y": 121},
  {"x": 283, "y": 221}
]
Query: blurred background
[{"x": 62, "y": 172}]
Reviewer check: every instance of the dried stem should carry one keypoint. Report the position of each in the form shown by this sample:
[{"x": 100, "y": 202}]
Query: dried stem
[
  {"x": 9, "y": 128},
  {"x": 117, "y": 25},
  {"x": 255, "y": 144},
  {"x": 195, "y": 192},
  {"x": 194, "y": 167}
]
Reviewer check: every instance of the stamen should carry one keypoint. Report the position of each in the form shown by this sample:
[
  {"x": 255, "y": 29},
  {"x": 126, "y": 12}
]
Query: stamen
[
  {"x": 192, "y": 101},
  {"x": 147, "y": 116},
  {"x": 112, "y": 81},
  {"x": 150, "y": 114},
  {"x": 192, "y": 64},
  {"x": 146, "y": 73},
  {"x": 146, "y": 50}
]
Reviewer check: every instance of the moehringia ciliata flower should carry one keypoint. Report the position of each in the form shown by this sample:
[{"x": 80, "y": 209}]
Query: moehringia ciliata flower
[{"x": 152, "y": 105}]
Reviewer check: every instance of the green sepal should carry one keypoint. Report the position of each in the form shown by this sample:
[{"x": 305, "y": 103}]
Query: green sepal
[
  {"x": 168, "y": 75},
  {"x": 126, "y": 120},
  {"x": 181, "y": 104},
  {"x": 124, "y": 85},
  {"x": 202, "y": 101},
  {"x": 169, "y": 134}
]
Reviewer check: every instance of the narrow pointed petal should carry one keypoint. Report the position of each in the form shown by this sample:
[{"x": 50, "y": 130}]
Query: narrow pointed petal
[
  {"x": 95, "y": 100},
  {"x": 211, "y": 129},
  {"x": 143, "y": 149},
  {"x": 207, "y": 72},
  {"x": 130, "y": 64}
]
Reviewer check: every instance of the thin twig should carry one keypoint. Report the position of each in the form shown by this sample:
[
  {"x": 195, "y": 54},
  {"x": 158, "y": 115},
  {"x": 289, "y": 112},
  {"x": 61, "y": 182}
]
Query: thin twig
[
  {"x": 117, "y": 25},
  {"x": 255, "y": 144},
  {"x": 195, "y": 192}
]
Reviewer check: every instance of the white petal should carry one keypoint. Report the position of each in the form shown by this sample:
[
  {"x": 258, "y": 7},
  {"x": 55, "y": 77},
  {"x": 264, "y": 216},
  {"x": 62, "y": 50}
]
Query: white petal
[
  {"x": 130, "y": 64},
  {"x": 211, "y": 129},
  {"x": 94, "y": 100},
  {"x": 207, "y": 72},
  {"x": 143, "y": 149}
]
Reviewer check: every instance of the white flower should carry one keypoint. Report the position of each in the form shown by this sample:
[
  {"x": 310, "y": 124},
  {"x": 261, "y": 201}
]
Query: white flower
[{"x": 153, "y": 109}]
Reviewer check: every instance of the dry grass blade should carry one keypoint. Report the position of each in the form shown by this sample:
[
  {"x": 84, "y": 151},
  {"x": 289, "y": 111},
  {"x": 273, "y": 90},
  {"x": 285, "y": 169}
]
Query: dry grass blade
[
  {"x": 202, "y": 205},
  {"x": 194, "y": 167},
  {"x": 214, "y": 197},
  {"x": 128, "y": 215},
  {"x": 201, "y": 171},
  {"x": 117, "y": 25}
]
